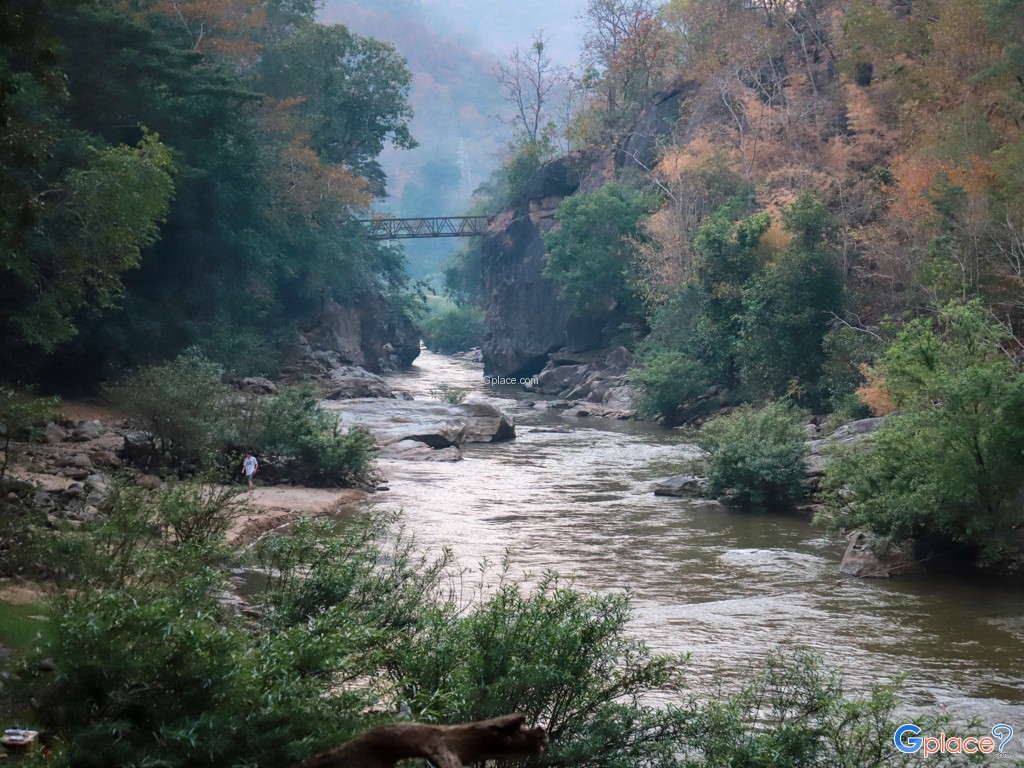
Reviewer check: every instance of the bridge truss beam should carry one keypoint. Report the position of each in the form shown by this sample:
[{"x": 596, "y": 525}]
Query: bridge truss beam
[{"x": 439, "y": 226}]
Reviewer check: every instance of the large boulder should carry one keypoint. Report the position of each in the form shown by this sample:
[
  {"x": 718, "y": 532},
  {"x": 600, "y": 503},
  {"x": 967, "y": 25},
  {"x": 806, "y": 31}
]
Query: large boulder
[
  {"x": 433, "y": 423},
  {"x": 351, "y": 382},
  {"x": 866, "y": 557}
]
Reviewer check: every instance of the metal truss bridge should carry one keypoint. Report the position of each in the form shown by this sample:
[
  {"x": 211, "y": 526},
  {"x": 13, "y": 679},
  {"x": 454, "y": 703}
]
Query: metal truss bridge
[{"x": 440, "y": 226}]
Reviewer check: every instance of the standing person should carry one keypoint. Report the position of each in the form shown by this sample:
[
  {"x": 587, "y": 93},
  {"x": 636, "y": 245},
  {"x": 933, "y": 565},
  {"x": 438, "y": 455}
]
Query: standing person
[{"x": 249, "y": 467}]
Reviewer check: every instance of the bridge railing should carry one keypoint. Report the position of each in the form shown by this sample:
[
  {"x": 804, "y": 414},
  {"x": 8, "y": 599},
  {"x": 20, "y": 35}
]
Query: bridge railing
[{"x": 437, "y": 226}]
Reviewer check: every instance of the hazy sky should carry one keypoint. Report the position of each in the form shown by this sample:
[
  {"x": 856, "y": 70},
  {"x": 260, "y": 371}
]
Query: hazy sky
[{"x": 501, "y": 25}]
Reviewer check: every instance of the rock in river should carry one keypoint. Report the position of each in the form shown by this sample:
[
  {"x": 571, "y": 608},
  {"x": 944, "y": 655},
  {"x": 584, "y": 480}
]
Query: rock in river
[{"x": 436, "y": 424}]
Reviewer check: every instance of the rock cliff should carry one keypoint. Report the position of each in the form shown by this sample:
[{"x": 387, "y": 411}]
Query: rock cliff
[
  {"x": 366, "y": 333},
  {"x": 524, "y": 316}
]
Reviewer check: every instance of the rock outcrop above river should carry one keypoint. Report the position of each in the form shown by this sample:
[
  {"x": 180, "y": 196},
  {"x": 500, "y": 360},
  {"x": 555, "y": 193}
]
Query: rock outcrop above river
[
  {"x": 437, "y": 425},
  {"x": 525, "y": 317},
  {"x": 598, "y": 382},
  {"x": 367, "y": 334}
]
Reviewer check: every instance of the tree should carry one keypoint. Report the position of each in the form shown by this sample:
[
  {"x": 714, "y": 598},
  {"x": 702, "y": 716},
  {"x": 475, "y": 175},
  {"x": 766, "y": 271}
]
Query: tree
[
  {"x": 625, "y": 47},
  {"x": 787, "y": 309},
  {"x": 528, "y": 78},
  {"x": 354, "y": 95},
  {"x": 589, "y": 253},
  {"x": 726, "y": 258},
  {"x": 948, "y": 466}
]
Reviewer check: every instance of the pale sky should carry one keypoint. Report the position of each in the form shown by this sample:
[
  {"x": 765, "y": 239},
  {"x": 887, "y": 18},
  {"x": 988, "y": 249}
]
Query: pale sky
[{"x": 501, "y": 25}]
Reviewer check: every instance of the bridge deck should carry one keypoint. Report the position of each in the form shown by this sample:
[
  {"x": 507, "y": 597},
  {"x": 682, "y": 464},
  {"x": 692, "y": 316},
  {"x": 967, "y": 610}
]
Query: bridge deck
[{"x": 438, "y": 226}]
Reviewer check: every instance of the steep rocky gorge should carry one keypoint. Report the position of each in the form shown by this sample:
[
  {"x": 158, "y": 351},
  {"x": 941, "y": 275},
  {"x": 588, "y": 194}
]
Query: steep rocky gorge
[{"x": 525, "y": 318}]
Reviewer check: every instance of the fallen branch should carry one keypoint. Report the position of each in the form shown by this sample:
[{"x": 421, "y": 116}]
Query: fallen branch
[{"x": 446, "y": 746}]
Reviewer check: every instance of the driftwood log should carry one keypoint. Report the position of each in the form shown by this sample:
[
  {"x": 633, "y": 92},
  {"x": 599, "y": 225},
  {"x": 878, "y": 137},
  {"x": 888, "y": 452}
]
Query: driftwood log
[{"x": 446, "y": 746}]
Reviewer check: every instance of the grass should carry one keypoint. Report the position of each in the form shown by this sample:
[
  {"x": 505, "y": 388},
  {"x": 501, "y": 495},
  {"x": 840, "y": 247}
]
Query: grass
[{"x": 20, "y": 623}]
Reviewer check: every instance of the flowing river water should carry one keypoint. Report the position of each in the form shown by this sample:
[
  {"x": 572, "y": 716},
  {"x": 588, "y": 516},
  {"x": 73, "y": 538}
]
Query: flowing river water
[{"x": 575, "y": 495}]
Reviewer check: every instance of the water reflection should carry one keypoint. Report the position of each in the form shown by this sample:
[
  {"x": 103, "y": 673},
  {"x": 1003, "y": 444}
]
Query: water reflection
[{"x": 576, "y": 495}]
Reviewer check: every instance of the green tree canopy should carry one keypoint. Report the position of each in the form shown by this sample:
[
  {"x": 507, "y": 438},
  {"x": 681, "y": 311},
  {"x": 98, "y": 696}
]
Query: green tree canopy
[{"x": 589, "y": 253}]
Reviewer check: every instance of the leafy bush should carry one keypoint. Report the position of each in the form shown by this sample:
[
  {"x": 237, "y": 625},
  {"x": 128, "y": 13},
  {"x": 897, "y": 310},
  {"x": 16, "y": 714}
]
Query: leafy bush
[
  {"x": 949, "y": 464},
  {"x": 558, "y": 655},
  {"x": 590, "y": 250},
  {"x": 794, "y": 713},
  {"x": 757, "y": 456},
  {"x": 181, "y": 406},
  {"x": 453, "y": 330},
  {"x": 668, "y": 380},
  {"x": 450, "y": 395},
  {"x": 671, "y": 368},
  {"x": 21, "y": 415},
  {"x": 291, "y": 426}
]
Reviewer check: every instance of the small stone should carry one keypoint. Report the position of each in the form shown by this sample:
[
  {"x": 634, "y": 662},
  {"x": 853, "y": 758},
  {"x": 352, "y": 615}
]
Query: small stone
[{"x": 150, "y": 482}]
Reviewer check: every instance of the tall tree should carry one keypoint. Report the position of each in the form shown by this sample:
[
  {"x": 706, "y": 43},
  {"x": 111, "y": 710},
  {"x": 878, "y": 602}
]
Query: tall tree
[
  {"x": 528, "y": 78},
  {"x": 354, "y": 91}
]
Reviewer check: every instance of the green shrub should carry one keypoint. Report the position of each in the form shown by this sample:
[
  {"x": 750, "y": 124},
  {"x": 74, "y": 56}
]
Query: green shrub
[
  {"x": 667, "y": 380},
  {"x": 757, "y": 456},
  {"x": 183, "y": 408},
  {"x": 453, "y": 330},
  {"x": 292, "y": 427},
  {"x": 450, "y": 395},
  {"x": 794, "y": 713},
  {"x": 559, "y": 655},
  {"x": 949, "y": 465},
  {"x": 21, "y": 417}
]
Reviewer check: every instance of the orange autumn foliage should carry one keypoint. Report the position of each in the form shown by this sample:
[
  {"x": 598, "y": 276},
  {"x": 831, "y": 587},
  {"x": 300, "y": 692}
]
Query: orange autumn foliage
[{"x": 875, "y": 392}]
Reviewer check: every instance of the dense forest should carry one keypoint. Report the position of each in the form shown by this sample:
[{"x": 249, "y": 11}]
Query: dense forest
[{"x": 181, "y": 175}]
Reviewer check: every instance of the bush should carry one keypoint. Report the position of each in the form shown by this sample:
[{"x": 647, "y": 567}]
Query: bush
[
  {"x": 948, "y": 466},
  {"x": 450, "y": 395},
  {"x": 21, "y": 417},
  {"x": 757, "y": 456},
  {"x": 292, "y": 427},
  {"x": 562, "y": 657},
  {"x": 795, "y": 714},
  {"x": 454, "y": 330},
  {"x": 668, "y": 380},
  {"x": 181, "y": 406},
  {"x": 671, "y": 368}
]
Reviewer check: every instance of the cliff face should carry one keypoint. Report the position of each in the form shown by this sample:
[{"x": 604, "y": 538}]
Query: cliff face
[
  {"x": 525, "y": 318},
  {"x": 367, "y": 334}
]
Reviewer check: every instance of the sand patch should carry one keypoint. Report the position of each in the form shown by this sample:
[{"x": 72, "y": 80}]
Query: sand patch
[{"x": 268, "y": 508}]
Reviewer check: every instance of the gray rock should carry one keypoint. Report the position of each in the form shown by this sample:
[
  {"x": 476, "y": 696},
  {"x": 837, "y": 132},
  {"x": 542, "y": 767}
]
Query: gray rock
[
  {"x": 104, "y": 459},
  {"x": 149, "y": 482},
  {"x": 436, "y": 424},
  {"x": 865, "y": 558},
  {"x": 78, "y": 461},
  {"x": 414, "y": 450},
  {"x": 139, "y": 451},
  {"x": 351, "y": 382},
  {"x": 87, "y": 430},
  {"x": 682, "y": 485},
  {"x": 53, "y": 434},
  {"x": 257, "y": 385}
]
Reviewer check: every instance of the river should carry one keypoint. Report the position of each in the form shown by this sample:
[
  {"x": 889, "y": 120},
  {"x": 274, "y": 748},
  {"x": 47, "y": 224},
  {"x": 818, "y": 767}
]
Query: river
[{"x": 575, "y": 495}]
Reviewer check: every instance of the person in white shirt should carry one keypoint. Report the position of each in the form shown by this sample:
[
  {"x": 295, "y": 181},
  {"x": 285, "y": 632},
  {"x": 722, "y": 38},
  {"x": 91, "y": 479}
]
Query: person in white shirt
[{"x": 249, "y": 467}]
